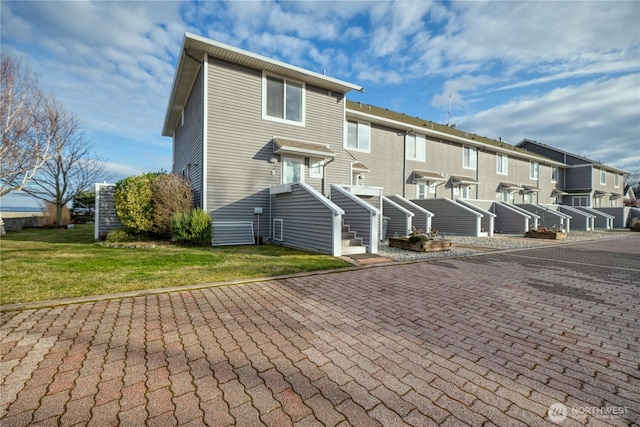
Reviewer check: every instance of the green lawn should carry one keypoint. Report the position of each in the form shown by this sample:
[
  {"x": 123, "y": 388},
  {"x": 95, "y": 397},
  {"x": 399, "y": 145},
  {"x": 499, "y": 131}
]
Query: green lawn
[{"x": 42, "y": 264}]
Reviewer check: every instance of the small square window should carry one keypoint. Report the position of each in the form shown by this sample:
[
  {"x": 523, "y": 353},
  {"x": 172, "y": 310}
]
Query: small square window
[
  {"x": 416, "y": 146},
  {"x": 283, "y": 100},
  {"x": 316, "y": 168}
]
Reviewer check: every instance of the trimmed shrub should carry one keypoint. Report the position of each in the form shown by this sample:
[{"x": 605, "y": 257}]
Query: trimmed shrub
[
  {"x": 171, "y": 193},
  {"x": 134, "y": 202},
  {"x": 192, "y": 228},
  {"x": 634, "y": 224}
]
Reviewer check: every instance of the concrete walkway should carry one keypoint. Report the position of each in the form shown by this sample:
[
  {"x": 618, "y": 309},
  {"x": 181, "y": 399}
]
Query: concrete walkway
[{"x": 496, "y": 339}]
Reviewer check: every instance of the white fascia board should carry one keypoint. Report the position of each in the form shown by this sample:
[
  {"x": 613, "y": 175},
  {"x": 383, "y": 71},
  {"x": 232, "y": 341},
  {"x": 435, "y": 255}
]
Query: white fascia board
[
  {"x": 445, "y": 136},
  {"x": 245, "y": 57}
]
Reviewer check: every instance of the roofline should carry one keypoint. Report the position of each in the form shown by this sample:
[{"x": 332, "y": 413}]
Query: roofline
[
  {"x": 592, "y": 162},
  {"x": 194, "y": 46},
  {"x": 432, "y": 132}
]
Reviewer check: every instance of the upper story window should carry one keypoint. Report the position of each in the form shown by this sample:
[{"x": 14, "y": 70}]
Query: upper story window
[
  {"x": 534, "y": 169},
  {"x": 416, "y": 147},
  {"x": 603, "y": 176},
  {"x": 554, "y": 174},
  {"x": 358, "y": 136},
  {"x": 502, "y": 164},
  {"x": 469, "y": 157},
  {"x": 616, "y": 180},
  {"x": 283, "y": 99}
]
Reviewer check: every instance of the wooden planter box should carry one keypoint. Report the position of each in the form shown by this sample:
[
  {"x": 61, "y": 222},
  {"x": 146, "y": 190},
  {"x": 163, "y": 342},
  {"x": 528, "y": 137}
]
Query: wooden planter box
[
  {"x": 422, "y": 246},
  {"x": 553, "y": 235}
]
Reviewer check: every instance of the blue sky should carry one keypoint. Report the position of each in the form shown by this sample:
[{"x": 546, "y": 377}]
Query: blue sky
[{"x": 563, "y": 73}]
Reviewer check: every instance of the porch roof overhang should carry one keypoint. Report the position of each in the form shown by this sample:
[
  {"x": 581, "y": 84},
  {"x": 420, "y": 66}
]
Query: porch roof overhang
[
  {"x": 531, "y": 189},
  {"x": 557, "y": 192},
  {"x": 359, "y": 167},
  {"x": 422, "y": 175},
  {"x": 457, "y": 180},
  {"x": 600, "y": 193},
  {"x": 510, "y": 186},
  {"x": 196, "y": 48},
  {"x": 295, "y": 147},
  {"x": 615, "y": 195}
]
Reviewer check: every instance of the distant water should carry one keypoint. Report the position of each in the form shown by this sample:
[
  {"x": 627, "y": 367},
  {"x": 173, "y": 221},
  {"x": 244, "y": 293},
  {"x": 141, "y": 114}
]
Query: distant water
[{"x": 19, "y": 209}]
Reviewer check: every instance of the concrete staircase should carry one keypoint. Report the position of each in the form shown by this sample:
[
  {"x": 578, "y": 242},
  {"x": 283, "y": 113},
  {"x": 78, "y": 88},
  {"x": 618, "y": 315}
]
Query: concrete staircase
[{"x": 350, "y": 243}]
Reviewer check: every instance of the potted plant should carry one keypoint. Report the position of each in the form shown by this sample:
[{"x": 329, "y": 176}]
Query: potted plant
[
  {"x": 421, "y": 241},
  {"x": 546, "y": 233}
]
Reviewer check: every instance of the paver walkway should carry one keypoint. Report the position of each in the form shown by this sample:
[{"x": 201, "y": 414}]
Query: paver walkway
[{"x": 488, "y": 340}]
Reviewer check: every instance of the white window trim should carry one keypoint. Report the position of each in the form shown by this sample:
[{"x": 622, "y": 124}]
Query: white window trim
[
  {"x": 346, "y": 136},
  {"x": 616, "y": 180},
  {"x": 420, "y": 154},
  {"x": 298, "y": 160},
  {"x": 316, "y": 172},
  {"x": 424, "y": 193},
  {"x": 531, "y": 169},
  {"x": 557, "y": 173},
  {"x": 499, "y": 157},
  {"x": 265, "y": 116},
  {"x": 603, "y": 174},
  {"x": 475, "y": 150}
]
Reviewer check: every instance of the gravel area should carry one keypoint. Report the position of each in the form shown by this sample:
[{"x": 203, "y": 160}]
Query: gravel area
[{"x": 467, "y": 245}]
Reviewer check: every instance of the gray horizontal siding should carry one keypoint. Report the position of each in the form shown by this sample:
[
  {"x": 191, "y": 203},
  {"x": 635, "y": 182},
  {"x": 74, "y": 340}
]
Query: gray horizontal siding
[
  {"x": 422, "y": 217},
  {"x": 400, "y": 219},
  {"x": 621, "y": 215},
  {"x": 548, "y": 218},
  {"x": 360, "y": 216},
  {"x": 510, "y": 220},
  {"x": 451, "y": 217},
  {"x": 307, "y": 222},
  {"x": 487, "y": 221},
  {"x": 580, "y": 220},
  {"x": 106, "y": 218},
  {"x": 579, "y": 178},
  {"x": 602, "y": 220}
]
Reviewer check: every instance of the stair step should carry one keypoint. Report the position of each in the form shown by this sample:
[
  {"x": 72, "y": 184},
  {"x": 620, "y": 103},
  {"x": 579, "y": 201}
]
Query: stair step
[
  {"x": 348, "y": 235},
  {"x": 352, "y": 250},
  {"x": 351, "y": 242}
]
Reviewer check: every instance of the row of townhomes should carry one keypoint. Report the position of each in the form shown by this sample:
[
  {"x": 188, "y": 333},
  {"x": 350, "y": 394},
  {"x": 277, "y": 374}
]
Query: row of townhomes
[{"x": 277, "y": 153}]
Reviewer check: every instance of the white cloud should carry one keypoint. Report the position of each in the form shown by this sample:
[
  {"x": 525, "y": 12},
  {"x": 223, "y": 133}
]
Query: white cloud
[{"x": 597, "y": 119}]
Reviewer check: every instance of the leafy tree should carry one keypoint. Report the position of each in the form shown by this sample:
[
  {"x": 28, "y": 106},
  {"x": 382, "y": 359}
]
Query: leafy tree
[
  {"x": 134, "y": 202},
  {"x": 25, "y": 143},
  {"x": 72, "y": 166},
  {"x": 85, "y": 201}
]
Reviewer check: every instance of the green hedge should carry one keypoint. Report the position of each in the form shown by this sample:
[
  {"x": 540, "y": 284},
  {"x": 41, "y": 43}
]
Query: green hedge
[{"x": 193, "y": 227}]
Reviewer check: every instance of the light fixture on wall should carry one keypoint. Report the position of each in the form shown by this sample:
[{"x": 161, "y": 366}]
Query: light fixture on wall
[{"x": 273, "y": 159}]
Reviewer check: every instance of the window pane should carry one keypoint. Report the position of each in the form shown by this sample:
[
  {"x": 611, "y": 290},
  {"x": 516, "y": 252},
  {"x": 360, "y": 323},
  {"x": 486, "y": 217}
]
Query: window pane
[
  {"x": 411, "y": 146},
  {"x": 275, "y": 97},
  {"x": 292, "y": 171},
  {"x": 363, "y": 136},
  {"x": 294, "y": 102},
  {"x": 352, "y": 134},
  {"x": 420, "y": 147}
]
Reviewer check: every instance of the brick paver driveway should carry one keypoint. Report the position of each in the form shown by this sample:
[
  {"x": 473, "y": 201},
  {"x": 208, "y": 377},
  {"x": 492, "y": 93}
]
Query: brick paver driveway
[{"x": 493, "y": 339}]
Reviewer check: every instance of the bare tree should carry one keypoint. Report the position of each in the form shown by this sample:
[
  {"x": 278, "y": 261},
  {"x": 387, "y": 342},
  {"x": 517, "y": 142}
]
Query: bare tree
[
  {"x": 24, "y": 144},
  {"x": 72, "y": 167}
]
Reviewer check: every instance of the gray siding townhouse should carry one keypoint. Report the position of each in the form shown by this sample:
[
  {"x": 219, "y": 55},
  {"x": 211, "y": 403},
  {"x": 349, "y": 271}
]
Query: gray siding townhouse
[
  {"x": 277, "y": 153},
  {"x": 585, "y": 182}
]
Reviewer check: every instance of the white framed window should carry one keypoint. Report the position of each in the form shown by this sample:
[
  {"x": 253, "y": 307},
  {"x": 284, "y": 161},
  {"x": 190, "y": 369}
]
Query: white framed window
[
  {"x": 554, "y": 174},
  {"x": 616, "y": 180},
  {"x": 358, "y": 136},
  {"x": 465, "y": 192},
  {"x": 603, "y": 176},
  {"x": 469, "y": 157},
  {"x": 502, "y": 164},
  {"x": 416, "y": 147},
  {"x": 534, "y": 169},
  {"x": 580, "y": 201},
  {"x": 421, "y": 190},
  {"x": 292, "y": 170},
  {"x": 316, "y": 168},
  {"x": 283, "y": 99},
  {"x": 432, "y": 188}
]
